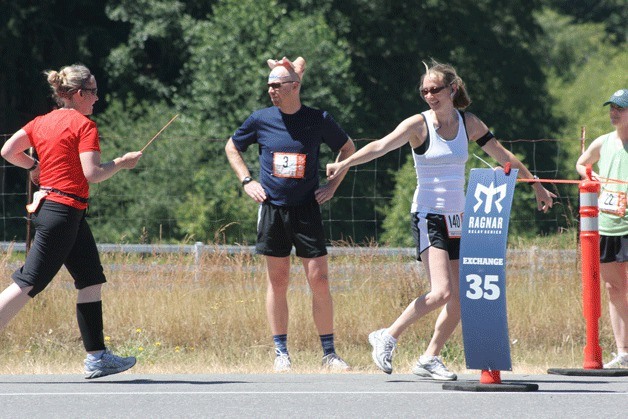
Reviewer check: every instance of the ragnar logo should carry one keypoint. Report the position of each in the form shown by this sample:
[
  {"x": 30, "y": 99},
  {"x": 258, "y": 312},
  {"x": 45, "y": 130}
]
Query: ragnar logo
[{"x": 490, "y": 198}]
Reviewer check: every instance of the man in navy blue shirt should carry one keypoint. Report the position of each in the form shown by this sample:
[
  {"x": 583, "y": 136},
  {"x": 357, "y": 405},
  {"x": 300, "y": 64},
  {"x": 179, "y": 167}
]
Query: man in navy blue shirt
[{"x": 288, "y": 135}]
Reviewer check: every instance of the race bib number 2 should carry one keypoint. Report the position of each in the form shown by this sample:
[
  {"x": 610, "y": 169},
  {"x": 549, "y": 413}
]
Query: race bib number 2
[
  {"x": 289, "y": 165},
  {"x": 612, "y": 202}
]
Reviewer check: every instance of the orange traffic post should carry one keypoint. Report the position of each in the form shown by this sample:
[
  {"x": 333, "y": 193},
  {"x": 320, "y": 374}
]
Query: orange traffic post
[
  {"x": 490, "y": 377},
  {"x": 590, "y": 246}
]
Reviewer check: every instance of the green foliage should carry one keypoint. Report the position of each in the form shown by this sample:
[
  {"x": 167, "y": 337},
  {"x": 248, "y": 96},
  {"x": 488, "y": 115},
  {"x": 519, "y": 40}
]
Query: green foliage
[
  {"x": 48, "y": 34},
  {"x": 228, "y": 74},
  {"x": 397, "y": 222},
  {"x": 227, "y": 68},
  {"x": 613, "y": 14},
  {"x": 585, "y": 68},
  {"x": 531, "y": 72},
  {"x": 139, "y": 205},
  {"x": 489, "y": 42},
  {"x": 225, "y": 218},
  {"x": 149, "y": 63},
  {"x": 566, "y": 46}
]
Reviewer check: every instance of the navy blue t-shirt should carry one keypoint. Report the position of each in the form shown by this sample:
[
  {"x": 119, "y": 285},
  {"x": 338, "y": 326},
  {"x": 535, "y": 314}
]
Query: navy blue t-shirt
[{"x": 289, "y": 147}]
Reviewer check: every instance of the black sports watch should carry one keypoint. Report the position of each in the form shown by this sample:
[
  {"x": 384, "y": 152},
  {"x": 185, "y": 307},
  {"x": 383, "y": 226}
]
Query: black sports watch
[{"x": 246, "y": 180}]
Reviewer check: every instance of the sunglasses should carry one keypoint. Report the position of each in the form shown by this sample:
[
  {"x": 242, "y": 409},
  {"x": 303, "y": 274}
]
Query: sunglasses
[
  {"x": 277, "y": 85},
  {"x": 432, "y": 90}
]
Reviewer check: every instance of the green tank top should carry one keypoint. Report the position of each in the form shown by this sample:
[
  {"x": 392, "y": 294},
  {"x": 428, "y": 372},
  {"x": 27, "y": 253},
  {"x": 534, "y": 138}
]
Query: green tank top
[{"x": 613, "y": 164}]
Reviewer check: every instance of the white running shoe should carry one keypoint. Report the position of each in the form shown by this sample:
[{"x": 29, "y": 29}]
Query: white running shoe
[
  {"x": 620, "y": 361},
  {"x": 282, "y": 363},
  {"x": 334, "y": 362},
  {"x": 432, "y": 366},
  {"x": 108, "y": 364},
  {"x": 383, "y": 347}
]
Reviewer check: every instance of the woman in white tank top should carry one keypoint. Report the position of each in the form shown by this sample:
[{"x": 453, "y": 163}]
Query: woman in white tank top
[{"x": 439, "y": 140}]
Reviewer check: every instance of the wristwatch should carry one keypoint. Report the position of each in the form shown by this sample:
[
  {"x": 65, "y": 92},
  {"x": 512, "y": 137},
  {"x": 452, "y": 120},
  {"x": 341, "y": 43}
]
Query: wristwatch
[{"x": 246, "y": 180}]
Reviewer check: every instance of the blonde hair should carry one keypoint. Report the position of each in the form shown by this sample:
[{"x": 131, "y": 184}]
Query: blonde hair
[
  {"x": 67, "y": 81},
  {"x": 450, "y": 78}
]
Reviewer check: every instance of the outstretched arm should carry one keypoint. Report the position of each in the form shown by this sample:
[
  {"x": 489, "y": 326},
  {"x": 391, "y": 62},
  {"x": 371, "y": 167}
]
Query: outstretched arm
[
  {"x": 95, "y": 171},
  {"x": 476, "y": 129},
  {"x": 404, "y": 133}
]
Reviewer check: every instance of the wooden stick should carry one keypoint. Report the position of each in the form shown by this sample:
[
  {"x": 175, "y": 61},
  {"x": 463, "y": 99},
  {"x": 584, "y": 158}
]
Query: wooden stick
[
  {"x": 160, "y": 131},
  {"x": 583, "y": 134}
]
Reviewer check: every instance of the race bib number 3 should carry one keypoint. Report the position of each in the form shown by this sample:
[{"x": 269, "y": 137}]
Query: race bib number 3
[
  {"x": 454, "y": 225},
  {"x": 289, "y": 165},
  {"x": 612, "y": 202}
]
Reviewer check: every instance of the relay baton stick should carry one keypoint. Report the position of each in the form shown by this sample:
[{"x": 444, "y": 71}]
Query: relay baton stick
[{"x": 160, "y": 131}]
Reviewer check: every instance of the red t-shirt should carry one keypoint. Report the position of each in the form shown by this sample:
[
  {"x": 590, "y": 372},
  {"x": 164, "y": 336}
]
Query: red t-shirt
[{"x": 59, "y": 137}]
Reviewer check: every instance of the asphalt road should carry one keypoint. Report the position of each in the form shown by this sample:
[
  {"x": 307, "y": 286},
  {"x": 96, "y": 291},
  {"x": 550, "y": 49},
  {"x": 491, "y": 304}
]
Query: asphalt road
[{"x": 349, "y": 395}]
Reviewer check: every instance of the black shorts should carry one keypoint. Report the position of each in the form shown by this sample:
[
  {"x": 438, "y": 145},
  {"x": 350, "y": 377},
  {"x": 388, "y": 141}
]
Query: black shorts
[
  {"x": 62, "y": 237},
  {"x": 613, "y": 249},
  {"x": 431, "y": 230},
  {"x": 279, "y": 228}
]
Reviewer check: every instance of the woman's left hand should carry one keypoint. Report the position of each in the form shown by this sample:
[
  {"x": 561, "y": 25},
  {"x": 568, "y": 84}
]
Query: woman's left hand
[{"x": 544, "y": 198}]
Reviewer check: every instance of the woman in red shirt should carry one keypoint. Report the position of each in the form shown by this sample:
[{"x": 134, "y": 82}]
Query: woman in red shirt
[{"x": 67, "y": 144}]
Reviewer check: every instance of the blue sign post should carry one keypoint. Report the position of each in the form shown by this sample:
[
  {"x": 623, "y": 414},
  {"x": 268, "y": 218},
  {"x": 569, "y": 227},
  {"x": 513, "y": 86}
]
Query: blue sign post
[{"x": 483, "y": 269}]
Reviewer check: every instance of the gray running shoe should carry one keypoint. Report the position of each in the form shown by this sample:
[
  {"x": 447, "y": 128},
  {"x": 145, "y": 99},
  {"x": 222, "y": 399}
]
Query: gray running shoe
[
  {"x": 433, "y": 367},
  {"x": 334, "y": 362},
  {"x": 282, "y": 363},
  {"x": 620, "y": 361},
  {"x": 383, "y": 347},
  {"x": 108, "y": 364}
]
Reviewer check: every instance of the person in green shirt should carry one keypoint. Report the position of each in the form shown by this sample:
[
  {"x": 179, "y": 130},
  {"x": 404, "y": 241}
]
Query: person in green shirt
[{"x": 610, "y": 152}]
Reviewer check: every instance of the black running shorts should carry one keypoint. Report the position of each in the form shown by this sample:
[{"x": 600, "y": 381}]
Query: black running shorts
[
  {"x": 613, "y": 249},
  {"x": 279, "y": 228},
  {"x": 431, "y": 230}
]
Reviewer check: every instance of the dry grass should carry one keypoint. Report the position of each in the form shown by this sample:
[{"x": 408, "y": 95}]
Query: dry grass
[{"x": 179, "y": 317}]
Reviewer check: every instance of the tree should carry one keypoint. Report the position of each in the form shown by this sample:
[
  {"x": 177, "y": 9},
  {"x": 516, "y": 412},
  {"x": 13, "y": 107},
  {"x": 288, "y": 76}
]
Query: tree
[
  {"x": 612, "y": 14},
  {"x": 36, "y": 36},
  {"x": 66, "y": 32},
  {"x": 490, "y": 44},
  {"x": 148, "y": 63},
  {"x": 584, "y": 68},
  {"x": 228, "y": 73},
  {"x": 140, "y": 204}
]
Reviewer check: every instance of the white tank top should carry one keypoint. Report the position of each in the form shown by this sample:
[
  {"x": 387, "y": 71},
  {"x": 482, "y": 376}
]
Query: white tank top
[{"x": 441, "y": 171}]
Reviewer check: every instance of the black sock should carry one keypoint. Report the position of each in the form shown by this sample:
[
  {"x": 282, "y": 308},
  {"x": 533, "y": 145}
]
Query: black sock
[
  {"x": 327, "y": 342},
  {"x": 89, "y": 316},
  {"x": 281, "y": 344}
]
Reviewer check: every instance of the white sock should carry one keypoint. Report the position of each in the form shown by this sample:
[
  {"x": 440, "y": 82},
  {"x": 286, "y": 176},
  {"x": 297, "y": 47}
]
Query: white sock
[
  {"x": 426, "y": 358},
  {"x": 96, "y": 356},
  {"x": 389, "y": 336}
]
